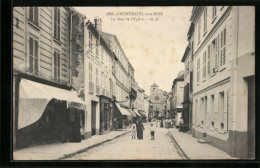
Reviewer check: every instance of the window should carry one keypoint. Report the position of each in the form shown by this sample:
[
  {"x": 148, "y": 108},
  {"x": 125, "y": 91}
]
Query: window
[
  {"x": 56, "y": 66},
  {"x": 212, "y": 119},
  {"x": 33, "y": 56},
  {"x": 198, "y": 70},
  {"x": 91, "y": 84},
  {"x": 204, "y": 63},
  {"x": 199, "y": 24},
  {"x": 202, "y": 110},
  {"x": 214, "y": 55},
  {"x": 192, "y": 51},
  {"x": 57, "y": 23},
  {"x": 221, "y": 110},
  {"x": 223, "y": 48},
  {"x": 90, "y": 40},
  {"x": 187, "y": 69},
  {"x": 102, "y": 54},
  {"x": 33, "y": 15},
  {"x": 205, "y": 20},
  {"x": 214, "y": 12},
  {"x": 97, "y": 48},
  {"x": 209, "y": 59},
  {"x": 97, "y": 76}
]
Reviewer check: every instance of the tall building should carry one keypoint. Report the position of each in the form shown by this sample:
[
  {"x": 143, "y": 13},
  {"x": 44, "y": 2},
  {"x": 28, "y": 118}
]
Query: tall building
[
  {"x": 42, "y": 76},
  {"x": 223, "y": 53},
  {"x": 177, "y": 98},
  {"x": 100, "y": 83},
  {"x": 187, "y": 59}
]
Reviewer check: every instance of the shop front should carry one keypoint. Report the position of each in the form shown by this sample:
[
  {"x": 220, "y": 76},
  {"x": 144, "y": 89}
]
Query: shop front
[
  {"x": 48, "y": 114},
  {"x": 106, "y": 115},
  {"x": 143, "y": 115},
  {"x": 122, "y": 116}
]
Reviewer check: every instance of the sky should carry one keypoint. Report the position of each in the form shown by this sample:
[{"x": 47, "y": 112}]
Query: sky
[{"x": 154, "y": 45}]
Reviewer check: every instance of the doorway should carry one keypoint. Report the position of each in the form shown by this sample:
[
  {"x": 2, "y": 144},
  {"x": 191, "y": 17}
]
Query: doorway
[
  {"x": 93, "y": 117},
  {"x": 251, "y": 116}
]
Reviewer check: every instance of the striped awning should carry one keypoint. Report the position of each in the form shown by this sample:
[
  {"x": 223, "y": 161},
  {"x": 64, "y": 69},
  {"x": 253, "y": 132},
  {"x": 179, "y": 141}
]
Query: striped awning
[
  {"x": 34, "y": 97},
  {"x": 122, "y": 110}
]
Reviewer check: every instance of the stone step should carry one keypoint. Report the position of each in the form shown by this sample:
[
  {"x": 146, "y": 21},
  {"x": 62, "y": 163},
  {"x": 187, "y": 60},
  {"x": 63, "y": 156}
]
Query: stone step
[{"x": 202, "y": 140}]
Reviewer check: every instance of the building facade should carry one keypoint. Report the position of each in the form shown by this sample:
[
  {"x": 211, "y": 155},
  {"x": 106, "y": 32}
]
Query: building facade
[
  {"x": 100, "y": 82},
  {"x": 42, "y": 45},
  {"x": 223, "y": 87},
  {"x": 177, "y": 98},
  {"x": 158, "y": 99},
  {"x": 187, "y": 59}
]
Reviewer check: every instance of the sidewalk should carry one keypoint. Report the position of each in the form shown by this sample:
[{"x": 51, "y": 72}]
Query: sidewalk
[
  {"x": 195, "y": 150},
  {"x": 57, "y": 151}
]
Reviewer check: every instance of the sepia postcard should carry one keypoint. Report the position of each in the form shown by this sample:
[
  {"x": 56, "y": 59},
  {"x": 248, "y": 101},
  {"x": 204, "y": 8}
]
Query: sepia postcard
[{"x": 133, "y": 83}]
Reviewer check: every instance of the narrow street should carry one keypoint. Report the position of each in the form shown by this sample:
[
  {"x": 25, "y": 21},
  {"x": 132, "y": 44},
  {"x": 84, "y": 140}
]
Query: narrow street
[{"x": 126, "y": 148}]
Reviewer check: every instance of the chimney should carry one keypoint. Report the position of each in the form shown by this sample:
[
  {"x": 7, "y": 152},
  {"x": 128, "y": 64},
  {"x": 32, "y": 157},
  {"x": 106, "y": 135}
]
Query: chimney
[{"x": 98, "y": 24}]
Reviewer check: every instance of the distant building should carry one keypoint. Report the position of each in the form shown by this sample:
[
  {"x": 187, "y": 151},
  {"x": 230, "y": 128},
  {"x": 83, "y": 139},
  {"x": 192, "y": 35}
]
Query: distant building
[
  {"x": 177, "y": 94},
  {"x": 158, "y": 99},
  {"x": 223, "y": 52}
]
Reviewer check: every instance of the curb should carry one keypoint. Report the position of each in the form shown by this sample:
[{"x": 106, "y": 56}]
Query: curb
[
  {"x": 182, "y": 152},
  {"x": 89, "y": 147}
]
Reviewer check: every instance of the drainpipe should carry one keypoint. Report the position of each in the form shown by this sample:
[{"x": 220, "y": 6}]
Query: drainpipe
[
  {"x": 70, "y": 49},
  {"x": 234, "y": 87}
]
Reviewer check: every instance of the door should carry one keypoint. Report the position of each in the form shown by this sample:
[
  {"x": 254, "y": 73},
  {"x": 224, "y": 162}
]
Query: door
[
  {"x": 93, "y": 117},
  {"x": 251, "y": 117}
]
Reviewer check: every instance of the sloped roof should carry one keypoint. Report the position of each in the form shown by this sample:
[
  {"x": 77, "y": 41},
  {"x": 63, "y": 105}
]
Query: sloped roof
[{"x": 154, "y": 85}]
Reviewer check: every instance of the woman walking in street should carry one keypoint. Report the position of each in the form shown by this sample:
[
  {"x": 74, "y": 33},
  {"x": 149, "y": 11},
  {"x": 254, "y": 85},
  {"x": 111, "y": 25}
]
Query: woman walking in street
[{"x": 140, "y": 129}]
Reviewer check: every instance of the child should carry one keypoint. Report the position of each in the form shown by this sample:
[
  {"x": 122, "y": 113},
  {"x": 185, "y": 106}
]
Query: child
[
  {"x": 133, "y": 132},
  {"x": 152, "y": 132}
]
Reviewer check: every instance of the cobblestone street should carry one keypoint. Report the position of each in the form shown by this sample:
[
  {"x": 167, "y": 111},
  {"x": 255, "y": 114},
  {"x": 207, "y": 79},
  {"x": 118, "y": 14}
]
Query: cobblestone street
[{"x": 126, "y": 148}]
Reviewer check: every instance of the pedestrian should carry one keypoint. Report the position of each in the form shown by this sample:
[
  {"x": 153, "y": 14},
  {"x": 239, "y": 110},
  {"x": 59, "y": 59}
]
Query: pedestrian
[
  {"x": 133, "y": 132},
  {"x": 152, "y": 131},
  {"x": 140, "y": 128}
]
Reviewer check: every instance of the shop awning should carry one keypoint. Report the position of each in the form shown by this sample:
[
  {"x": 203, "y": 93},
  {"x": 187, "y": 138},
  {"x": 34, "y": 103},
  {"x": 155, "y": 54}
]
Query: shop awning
[
  {"x": 136, "y": 112},
  {"x": 143, "y": 114},
  {"x": 122, "y": 110},
  {"x": 34, "y": 97}
]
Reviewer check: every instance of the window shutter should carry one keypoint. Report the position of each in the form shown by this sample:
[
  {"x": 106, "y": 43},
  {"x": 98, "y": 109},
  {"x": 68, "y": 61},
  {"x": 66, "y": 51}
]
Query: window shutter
[
  {"x": 208, "y": 59},
  {"x": 36, "y": 15},
  {"x": 55, "y": 66},
  {"x": 31, "y": 13},
  {"x": 58, "y": 35},
  {"x": 30, "y": 55},
  {"x": 58, "y": 67},
  {"x": 36, "y": 68}
]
